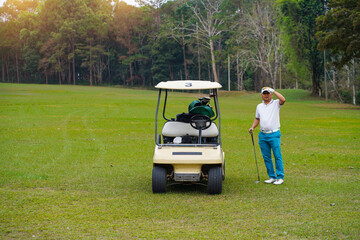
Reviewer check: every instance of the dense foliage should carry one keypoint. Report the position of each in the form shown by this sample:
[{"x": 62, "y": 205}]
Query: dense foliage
[
  {"x": 339, "y": 30},
  {"x": 242, "y": 44}
]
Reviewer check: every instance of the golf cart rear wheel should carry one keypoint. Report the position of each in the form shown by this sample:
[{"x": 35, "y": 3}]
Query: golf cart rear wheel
[
  {"x": 215, "y": 180},
  {"x": 159, "y": 180}
]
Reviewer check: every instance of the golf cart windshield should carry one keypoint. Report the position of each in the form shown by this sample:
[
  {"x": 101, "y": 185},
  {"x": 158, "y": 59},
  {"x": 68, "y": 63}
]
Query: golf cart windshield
[{"x": 195, "y": 127}]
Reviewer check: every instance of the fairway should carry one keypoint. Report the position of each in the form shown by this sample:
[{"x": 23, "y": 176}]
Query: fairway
[{"x": 76, "y": 162}]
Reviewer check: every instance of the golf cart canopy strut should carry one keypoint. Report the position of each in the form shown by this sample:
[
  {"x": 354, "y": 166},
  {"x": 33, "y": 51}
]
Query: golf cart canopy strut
[{"x": 188, "y": 85}]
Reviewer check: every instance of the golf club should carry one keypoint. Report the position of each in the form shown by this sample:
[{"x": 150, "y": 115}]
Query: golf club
[{"x": 252, "y": 138}]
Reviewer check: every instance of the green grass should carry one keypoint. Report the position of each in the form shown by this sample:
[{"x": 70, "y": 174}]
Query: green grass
[{"x": 76, "y": 162}]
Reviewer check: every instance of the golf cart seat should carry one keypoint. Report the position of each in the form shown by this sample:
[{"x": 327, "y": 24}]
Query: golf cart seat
[{"x": 178, "y": 129}]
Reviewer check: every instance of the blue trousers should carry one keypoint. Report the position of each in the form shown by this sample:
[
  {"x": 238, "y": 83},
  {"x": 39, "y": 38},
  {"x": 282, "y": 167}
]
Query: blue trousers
[{"x": 268, "y": 142}]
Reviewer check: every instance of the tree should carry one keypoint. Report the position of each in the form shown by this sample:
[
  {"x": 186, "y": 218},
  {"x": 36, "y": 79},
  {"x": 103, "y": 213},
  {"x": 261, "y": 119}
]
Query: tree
[
  {"x": 260, "y": 37},
  {"x": 165, "y": 55},
  {"x": 127, "y": 19},
  {"x": 175, "y": 26},
  {"x": 154, "y": 6},
  {"x": 339, "y": 30},
  {"x": 343, "y": 42},
  {"x": 30, "y": 46},
  {"x": 210, "y": 22},
  {"x": 73, "y": 13},
  {"x": 298, "y": 21},
  {"x": 93, "y": 30},
  {"x": 236, "y": 48},
  {"x": 10, "y": 14}
]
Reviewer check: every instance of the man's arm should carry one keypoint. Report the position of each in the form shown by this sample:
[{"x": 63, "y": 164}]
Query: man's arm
[
  {"x": 280, "y": 97},
  {"x": 254, "y": 125}
]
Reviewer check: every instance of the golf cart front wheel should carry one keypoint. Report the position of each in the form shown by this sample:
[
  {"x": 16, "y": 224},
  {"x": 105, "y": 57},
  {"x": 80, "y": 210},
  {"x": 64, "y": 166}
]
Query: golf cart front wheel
[
  {"x": 159, "y": 180},
  {"x": 215, "y": 180}
]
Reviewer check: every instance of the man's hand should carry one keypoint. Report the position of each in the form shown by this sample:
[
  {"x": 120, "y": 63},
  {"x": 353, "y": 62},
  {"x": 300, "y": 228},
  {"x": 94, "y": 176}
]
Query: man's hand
[
  {"x": 251, "y": 130},
  {"x": 271, "y": 90},
  {"x": 280, "y": 97}
]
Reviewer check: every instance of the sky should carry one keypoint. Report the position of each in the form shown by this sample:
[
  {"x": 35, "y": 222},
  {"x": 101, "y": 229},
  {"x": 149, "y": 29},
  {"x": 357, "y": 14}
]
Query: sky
[{"x": 130, "y": 2}]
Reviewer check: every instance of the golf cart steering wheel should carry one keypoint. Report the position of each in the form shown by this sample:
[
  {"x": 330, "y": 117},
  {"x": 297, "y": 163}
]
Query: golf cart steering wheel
[{"x": 200, "y": 122}]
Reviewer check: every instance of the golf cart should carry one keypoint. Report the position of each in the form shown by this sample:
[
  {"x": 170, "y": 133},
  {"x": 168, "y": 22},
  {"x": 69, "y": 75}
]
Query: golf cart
[{"x": 188, "y": 148}]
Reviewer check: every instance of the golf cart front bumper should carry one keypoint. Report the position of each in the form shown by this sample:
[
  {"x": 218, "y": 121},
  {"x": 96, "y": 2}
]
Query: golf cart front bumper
[
  {"x": 165, "y": 154},
  {"x": 188, "y": 162}
]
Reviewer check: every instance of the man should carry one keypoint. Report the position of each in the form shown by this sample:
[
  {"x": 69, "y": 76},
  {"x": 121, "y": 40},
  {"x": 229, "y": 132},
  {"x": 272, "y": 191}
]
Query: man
[{"x": 267, "y": 114}]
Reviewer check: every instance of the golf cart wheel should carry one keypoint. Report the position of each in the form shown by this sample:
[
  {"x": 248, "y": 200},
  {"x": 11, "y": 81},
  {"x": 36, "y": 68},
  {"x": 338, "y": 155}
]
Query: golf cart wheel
[
  {"x": 223, "y": 172},
  {"x": 159, "y": 180},
  {"x": 215, "y": 180}
]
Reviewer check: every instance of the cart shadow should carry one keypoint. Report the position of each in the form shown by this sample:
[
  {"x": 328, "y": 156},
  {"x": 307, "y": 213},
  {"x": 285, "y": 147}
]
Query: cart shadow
[{"x": 200, "y": 188}]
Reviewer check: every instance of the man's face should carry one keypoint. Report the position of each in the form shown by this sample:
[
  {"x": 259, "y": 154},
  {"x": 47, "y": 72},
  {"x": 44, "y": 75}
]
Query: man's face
[{"x": 266, "y": 96}]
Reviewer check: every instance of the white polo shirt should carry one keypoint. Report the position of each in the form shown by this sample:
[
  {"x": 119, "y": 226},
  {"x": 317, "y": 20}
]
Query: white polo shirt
[{"x": 269, "y": 115}]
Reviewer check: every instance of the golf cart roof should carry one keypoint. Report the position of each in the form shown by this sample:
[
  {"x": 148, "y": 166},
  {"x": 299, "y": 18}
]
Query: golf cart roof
[{"x": 188, "y": 85}]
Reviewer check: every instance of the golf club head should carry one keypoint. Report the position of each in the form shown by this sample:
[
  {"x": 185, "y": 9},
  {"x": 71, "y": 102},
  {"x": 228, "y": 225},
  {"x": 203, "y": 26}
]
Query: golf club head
[{"x": 257, "y": 182}]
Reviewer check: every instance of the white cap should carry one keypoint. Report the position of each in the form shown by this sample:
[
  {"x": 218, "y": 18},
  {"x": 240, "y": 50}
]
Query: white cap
[{"x": 266, "y": 89}]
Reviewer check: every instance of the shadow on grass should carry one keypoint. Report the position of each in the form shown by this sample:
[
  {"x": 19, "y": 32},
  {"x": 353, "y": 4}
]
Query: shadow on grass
[
  {"x": 185, "y": 188},
  {"x": 233, "y": 185}
]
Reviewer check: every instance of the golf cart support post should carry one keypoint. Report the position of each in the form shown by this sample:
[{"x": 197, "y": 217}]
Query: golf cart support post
[
  {"x": 190, "y": 151},
  {"x": 187, "y": 85}
]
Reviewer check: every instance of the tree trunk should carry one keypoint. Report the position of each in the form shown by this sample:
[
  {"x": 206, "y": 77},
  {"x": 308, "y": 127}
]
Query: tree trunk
[
  {"x": 171, "y": 72},
  {"x": 315, "y": 85},
  {"x": 184, "y": 48},
  {"x": 91, "y": 77},
  {"x": 131, "y": 74},
  {"x": 17, "y": 68},
  {"x": 229, "y": 73},
  {"x": 238, "y": 73},
  {"x": 69, "y": 69},
  {"x": 90, "y": 66},
  {"x": 63, "y": 76},
  {"x": 73, "y": 64},
  {"x": 325, "y": 80},
  {"x": 7, "y": 69},
  {"x": 213, "y": 63},
  {"x": 209, "y": 73},
  {"x": 98, "y": 75},
  {"x": 257, "y": 80},
  {"x": 348, "y": 77},
  {"x": 274, "y": 80},
  {"x": 198, "y": 51},
  {"x": 354, "y": 79},
  {"x": 242, "y": 81},
  {"x": 333, "y": 81},
  {"x": 184, "y": 56},
  {"x": 59, "y": 77},
  {"x": 3, "y": 70},
  {"x": 277, "y": 63},
  {"x": 218, "y": 65},
  {"x": 109, "y": 71},
  {"x": 354, "y": 94},
  {"x": 280, "y": 75},
  {"x": 101, "y": 70}
]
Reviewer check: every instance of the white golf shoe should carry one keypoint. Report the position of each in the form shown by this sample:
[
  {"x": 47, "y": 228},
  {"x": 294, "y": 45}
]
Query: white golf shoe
[
  {"x": 271, "y": 180},
  {"x": 279, "y": 181}
]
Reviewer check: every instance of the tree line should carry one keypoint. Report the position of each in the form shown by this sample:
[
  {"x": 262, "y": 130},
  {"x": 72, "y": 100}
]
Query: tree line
[{"x": 243, "y": 44}]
